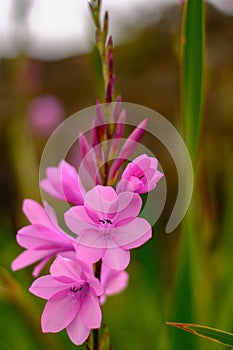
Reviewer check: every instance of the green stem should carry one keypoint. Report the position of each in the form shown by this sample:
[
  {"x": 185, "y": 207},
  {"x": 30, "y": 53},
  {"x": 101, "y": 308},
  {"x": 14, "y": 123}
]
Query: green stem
[{"x": 96, "y": 331}]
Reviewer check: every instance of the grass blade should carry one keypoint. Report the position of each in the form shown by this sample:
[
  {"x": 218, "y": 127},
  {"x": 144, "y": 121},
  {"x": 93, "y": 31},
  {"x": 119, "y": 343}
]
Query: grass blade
[
  {"x": 192, "y": 71},
  {"x": 215, "y": 335}
]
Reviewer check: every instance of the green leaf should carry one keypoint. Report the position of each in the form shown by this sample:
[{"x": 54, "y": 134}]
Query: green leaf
[
  {"x": 192, "y": 71},
  {"x": 212, "y": 334}
]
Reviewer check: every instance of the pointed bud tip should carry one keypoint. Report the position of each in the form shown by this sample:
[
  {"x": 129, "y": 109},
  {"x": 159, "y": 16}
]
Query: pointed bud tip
[
  {"x": 110, "y": 41},
  {"x": 143, "y": 124}
]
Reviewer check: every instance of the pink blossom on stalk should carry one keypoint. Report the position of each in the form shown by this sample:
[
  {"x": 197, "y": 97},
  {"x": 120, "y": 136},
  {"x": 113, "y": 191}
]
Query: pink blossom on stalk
[
  {"x": 108, "y": 227},
  {"x": 63, "y": 183},
  {"x": 72, "y": 292},
  {"x": 112, "y": 281},
  {"x": 45, "y": 114},
  {"x": 42, "y": 240},
  {"x": 140, "y": 176},
  {"x": 128, "y": 148}
]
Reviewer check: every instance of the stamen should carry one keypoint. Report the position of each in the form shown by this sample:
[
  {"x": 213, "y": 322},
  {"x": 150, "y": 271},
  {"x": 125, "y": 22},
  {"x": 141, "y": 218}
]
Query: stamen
[
  {"x": 139, "y": 177},
  {"x": 106, "y": 221},
  {"x": 76, "y": 289}
]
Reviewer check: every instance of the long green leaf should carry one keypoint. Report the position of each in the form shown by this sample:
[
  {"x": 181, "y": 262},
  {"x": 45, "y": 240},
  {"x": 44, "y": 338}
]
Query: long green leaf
[
  {"x": 192, "y": 66},
  {"x": 192, "y": 71},
  {"x": 212, "y": 334}
]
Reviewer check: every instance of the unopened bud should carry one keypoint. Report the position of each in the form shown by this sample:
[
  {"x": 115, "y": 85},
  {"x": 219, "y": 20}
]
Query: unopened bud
[
  {"x": 109, "y": 92},
  {"x": 105, "y": 25}
]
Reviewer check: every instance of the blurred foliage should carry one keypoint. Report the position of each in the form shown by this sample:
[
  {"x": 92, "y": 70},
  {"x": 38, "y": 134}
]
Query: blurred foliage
[{"x": 147, "y": 70}]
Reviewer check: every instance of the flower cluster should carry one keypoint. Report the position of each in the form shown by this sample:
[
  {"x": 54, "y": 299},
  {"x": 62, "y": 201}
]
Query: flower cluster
[{"x": 90, "y": 264}]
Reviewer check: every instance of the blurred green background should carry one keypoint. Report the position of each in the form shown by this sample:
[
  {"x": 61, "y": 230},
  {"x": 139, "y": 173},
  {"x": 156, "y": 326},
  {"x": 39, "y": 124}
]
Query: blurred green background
[{"x": 177, "y": 277}]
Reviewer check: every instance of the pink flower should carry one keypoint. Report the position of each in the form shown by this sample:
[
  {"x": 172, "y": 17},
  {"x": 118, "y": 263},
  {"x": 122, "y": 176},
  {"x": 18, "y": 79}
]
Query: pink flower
[
  {"x": 72, "y": 292},
  {"x": 108, "y": 227},
  {"x": 63, "y": 183},
  {"x": 140, "y": 176},
  {"x": 45, "y": 114},
  {"x": 112, "y": 281},
  {"x": 42, "y": 239}
]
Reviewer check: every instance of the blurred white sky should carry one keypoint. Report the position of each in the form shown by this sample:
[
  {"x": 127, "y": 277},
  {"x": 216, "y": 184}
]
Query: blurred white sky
[{"x": 59, "y": 28}]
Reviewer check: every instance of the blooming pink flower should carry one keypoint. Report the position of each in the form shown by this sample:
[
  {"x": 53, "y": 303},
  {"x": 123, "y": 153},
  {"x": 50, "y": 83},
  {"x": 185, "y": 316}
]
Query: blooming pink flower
[
  {"x": 108, "y": 227},
  {"x": 72, "y": 292},
  {"x": 112, "y": 281},
  {"x": 140, "y": 176},
  {"x": 63, "y": 183},
  {"x": 42, "y": 239}
]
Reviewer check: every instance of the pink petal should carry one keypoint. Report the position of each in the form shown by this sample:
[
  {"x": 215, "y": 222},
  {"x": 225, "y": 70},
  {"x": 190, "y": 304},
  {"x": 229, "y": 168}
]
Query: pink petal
[
  {"x": 93, "y": 238},
  {"x": 124, "y": 186},
  {"x": 90, "y": 311},
  {"x": 29, "y": 257},
  {"x": 101, "y": 199},
  {"x": 51, "y": 213},
  {"x": 36, "y": 213},
  {"x": 133, "y": 234},
  {"x": 36, "y": 271},
  {"x": 143, "y": 161},
  {"x": 39, "y": 236},
  {"x": 113, "y": 281},
  {"x": 48, "y": 187},
  {"x": 59, "y": 311},
  {"x": 94, "y": 283},
  {"x": 88, "y": 254},
  {"x": 63, "y": 183},
  {"x": 77, "y": 331},
  {"x": 116, "y": 258},
  {"x": 66, "y": 267},
  {"x": 77, "y": 219},
  {"x": 45, "y": 287},
  {"x": 71, "y": 184},
  {"x": 129, "y": 205},
  {"x": 153, "y": 162}
]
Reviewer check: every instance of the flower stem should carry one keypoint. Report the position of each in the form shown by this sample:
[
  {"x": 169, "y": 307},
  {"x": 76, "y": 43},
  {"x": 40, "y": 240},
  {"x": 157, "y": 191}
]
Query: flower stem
[
  {"x": 96, "y": 331},
  {"x": 96, "y": 339}
]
